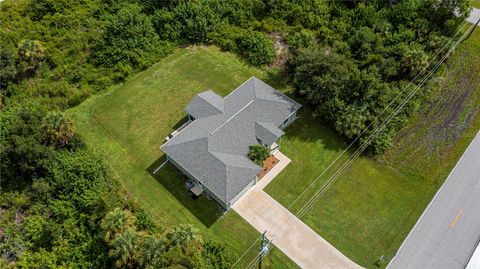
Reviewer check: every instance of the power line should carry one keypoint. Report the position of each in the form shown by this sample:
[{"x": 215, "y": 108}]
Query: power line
[
  {"x": 358, "y": 152},
  {"x": 376, "y": 118},
  {"x": 244, "y": 253},
  {"x": 336, "y": 175}
]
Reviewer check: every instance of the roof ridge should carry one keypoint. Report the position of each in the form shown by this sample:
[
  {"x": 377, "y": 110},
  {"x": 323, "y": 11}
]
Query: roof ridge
[
  {"x": 204, "y": 99},
  {"x": 166, "y": 144},
  {"x": 236, "y": 113},
  {"x": 252, "y": 77},
  {"x": 233, "y": 165}
]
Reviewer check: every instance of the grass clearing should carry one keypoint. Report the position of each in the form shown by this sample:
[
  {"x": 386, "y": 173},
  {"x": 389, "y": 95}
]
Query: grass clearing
[
  {"x": 475, "y": 3},
  {"x": 129, "y": 123}
]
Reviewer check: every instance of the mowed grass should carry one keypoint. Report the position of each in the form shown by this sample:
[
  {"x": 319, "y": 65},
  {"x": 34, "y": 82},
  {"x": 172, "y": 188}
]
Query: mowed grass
[
  {"x": 130, "y": 122},
  {"x": 372, "y": 207},
  {"x": 368, "y": 211},
  {"x": 475, "y": 3}
]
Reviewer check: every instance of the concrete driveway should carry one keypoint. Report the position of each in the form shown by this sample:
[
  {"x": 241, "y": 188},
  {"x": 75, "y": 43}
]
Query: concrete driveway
[
  {"x": 300, "y": 243},
  {"x": 474, "y": 15}
]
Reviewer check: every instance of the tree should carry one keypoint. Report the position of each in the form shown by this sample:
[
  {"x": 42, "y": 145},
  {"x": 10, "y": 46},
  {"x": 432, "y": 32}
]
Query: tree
[
  {"x": 258, "y": 154},
  {"x": 128, "y": 40},
  {"x": 256, "y": 47},
  {"x": 153, "y": 249},
  {"x": 321, "y": 76},
  {"x": 183, "y": 236},
  {"x": 217, "y": 256},
  {"x": 23, "y": 154},
  {"x": 30, "y": 55},
  {"x": 196, "y": 19},
  {"x": 124, "y": 249},
  {"x": 58, "y": 129},
  {"x": 413, "y": 60},
  {"x": 116, "y": 222},
  {"x": 445, "y": 16},
  {"x": 7, "y": 65}
]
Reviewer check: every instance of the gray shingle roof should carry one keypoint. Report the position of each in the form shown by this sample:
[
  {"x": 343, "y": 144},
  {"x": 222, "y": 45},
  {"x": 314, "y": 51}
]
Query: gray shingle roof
[
  {"x": 267, "y": 132},
  {"x": 213, "y": 148},
  {"x": 205, "y": 104}
]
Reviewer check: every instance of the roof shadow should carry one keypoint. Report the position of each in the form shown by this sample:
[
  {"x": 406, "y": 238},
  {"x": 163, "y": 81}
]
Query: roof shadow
[
  {"x": 180, "y": 122},
  {"x": 307, "y": 127},
  {"x": 204, "y": 209}
]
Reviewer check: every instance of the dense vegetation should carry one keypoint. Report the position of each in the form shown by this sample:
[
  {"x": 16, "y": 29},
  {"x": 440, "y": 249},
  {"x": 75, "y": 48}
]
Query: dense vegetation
[
  {"x": 59, "y": 207},
  {"x": 348, "y": 59}
]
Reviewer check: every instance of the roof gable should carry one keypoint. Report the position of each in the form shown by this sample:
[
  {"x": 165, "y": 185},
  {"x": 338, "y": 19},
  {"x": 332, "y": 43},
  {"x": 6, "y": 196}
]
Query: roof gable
[
  {"x": 267, "y": 132},
  {"x": 205, "y": 104}
]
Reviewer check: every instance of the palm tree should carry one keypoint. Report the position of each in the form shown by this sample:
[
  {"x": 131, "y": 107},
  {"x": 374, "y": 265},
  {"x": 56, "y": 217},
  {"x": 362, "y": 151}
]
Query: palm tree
[
  {"x": 184, "y": 236},
  {"x": 258, "y": 154},
  {"x": 30, "y": 55},
  {"x": 58, "y": 129},
  {"x": 115, "y": 222},
  {"x": 153, "y": 249},
  {"x": 124, "y": 249}
]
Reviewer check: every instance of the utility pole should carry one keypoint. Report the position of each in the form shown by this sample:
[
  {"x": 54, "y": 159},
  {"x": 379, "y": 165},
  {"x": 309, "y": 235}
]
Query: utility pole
[{"x": 263, "y": 248}]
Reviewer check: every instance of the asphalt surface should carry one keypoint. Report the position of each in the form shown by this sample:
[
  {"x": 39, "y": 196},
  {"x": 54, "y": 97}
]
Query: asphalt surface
[{"x": 449, "y": 229}]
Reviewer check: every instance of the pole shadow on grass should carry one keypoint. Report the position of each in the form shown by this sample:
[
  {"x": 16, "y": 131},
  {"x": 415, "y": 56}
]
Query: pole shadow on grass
[{"x": 204, "y": 209}]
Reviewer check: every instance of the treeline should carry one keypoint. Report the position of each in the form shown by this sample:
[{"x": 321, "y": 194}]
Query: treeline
[
  {"x": 348, "y": 59},
  {"x": 60, "y": 208}
]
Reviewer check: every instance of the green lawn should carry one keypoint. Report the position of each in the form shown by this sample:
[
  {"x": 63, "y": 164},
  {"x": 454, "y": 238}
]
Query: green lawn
[
  {"x": 366, "y": 214},
  {"x": 475, "y": 3},
  {"x": 373, "y": 206},
  {"x": 129, "y": 123}
]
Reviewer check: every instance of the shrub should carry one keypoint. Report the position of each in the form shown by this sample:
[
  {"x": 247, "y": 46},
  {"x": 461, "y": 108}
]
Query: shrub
[
  {"x": 258, "y": 154},
  {"x": 129, "y": 39},
  {"x": 30, "y": 55},
  {"x": 187, "y": 22},
  {"x": 257, "y": 47}
]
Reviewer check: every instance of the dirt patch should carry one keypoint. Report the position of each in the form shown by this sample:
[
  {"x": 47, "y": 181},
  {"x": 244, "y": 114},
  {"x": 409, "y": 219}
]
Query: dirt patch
[
  {"x": 281, "y": 49},
  {"x": 268, "y": 164}
]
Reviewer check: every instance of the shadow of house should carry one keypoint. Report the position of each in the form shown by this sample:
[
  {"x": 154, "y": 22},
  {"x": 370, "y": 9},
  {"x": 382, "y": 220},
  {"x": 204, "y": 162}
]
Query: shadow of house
[
  {"x": 204, "y": 209},
  {"x": 180, "y": 123},
  {"x": 310, "y": 128}
]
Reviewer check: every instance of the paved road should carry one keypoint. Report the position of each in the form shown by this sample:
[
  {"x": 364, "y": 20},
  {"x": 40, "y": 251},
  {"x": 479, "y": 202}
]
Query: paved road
[
  {"x": 298, "y": 241},
  {"x": 449, "y": 229},
  {"x": 474, "y": 15}
]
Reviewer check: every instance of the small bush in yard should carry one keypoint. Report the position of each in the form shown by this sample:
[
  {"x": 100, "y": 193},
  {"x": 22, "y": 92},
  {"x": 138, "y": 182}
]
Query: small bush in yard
[{"x": 258, "y": 154}]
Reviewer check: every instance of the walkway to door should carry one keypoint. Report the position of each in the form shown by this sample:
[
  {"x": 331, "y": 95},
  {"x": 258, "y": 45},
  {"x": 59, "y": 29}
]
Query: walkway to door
[{"x": 298, "y": 241}]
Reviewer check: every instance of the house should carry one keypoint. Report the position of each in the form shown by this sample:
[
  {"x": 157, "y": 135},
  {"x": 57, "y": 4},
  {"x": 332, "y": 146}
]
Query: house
[{"x": 211, "y": 149}]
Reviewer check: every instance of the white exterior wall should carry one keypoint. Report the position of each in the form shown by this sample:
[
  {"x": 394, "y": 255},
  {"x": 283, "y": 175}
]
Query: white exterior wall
[{"x": 292, "y": 117}]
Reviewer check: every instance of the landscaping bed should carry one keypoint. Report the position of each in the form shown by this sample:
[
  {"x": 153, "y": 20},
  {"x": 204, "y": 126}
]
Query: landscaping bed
[{"x": 268, "y": 164}]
